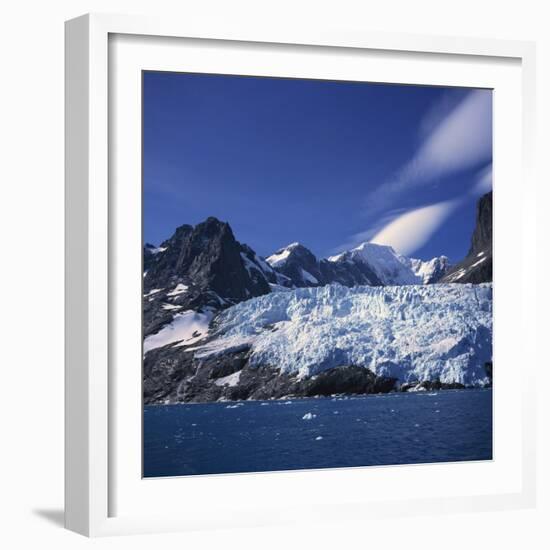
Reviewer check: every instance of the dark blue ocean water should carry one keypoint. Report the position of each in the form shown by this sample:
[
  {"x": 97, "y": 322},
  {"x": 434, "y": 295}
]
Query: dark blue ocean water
[{"x": 397, "y": 428}]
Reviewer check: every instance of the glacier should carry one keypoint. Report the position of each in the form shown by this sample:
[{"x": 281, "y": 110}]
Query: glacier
[{"x": 411, "y": 333}]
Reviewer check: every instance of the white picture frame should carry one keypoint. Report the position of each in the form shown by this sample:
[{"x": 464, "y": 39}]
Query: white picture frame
[{"x": 92, "y": 434}]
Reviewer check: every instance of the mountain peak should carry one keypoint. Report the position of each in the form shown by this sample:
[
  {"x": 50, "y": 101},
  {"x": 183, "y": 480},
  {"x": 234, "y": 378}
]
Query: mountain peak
[
  {"x": 282, "y": 256},
  {"x": 209, "y": 257},
  {"x": 389, "y": 267},
  {"x": 366, "y": 247}
]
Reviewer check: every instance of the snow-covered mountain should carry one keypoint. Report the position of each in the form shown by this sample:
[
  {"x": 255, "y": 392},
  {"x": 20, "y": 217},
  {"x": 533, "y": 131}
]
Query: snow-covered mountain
[
  {"x": 298, "y": 264},
  {"x": 368, "y": 264},
  {"x": 311, "y": 341},
  {"x": 391, "y": 268}
]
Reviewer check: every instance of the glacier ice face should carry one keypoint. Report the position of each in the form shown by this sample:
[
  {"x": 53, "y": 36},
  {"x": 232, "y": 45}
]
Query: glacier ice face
[{"x": 412, "y": 333}]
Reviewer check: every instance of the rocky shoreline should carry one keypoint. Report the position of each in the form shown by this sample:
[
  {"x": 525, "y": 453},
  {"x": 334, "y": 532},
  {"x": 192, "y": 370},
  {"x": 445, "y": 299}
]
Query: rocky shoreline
[{"x": 182, "y": 378}]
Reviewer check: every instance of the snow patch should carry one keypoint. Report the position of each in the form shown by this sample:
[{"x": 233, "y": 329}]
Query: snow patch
[
  {"x": 169, "y": 307},
  {"x": 250, "y": 265},
  {"x": 156, "y": 250},
  {"x": 154, "y": 291},
  {"x": 278, "y": 259},
  {"x": 281, "y": 256},
  {"x": 231, "y": 380},
  {"x": 180, "y": 289},
  {"x": 186, "y": 327},
  {"x": 309, "y": 278},
  {"x": 479, "y": 262}
]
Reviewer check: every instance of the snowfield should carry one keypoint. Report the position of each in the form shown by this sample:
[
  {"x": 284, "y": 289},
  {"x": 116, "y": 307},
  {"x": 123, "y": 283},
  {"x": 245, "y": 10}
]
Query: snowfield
[
  {"x": 412, "y": 333},
  {"x": 186, "y": 328}
]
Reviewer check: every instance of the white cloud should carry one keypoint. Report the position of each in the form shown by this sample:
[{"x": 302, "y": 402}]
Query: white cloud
[
  {"x": 484, "y": 182},
  {"x": 457, "y": 137},
  {"x": 461, "y": 140},
  {"x": 410, "y": 231}
]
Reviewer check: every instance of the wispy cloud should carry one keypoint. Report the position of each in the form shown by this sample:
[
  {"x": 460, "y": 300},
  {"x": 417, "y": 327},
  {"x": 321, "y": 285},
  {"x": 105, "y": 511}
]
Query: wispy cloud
[
  {"x": 412, "y": 230},
  {"x": 455, "y": 136},
  {"x": 461, "y": 140},
  {"x": 484, "y": 181},
  {"x": 368, "y": 234}
]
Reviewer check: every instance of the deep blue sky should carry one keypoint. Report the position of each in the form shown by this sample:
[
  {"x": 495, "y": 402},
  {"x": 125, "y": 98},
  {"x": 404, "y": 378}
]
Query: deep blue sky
[{"x": 286, "y": 160}]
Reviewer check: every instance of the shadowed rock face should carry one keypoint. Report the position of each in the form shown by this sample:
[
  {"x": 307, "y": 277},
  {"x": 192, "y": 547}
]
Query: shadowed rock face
[
  {"x": 201, "y": 268},
  {"x": 477, "y": 267},
  {"x": 209, "y": 256},
  {"x": 170, "y": 378},
  {"x": 300, "y": 266},
  {"x": 482, "y": 238}
]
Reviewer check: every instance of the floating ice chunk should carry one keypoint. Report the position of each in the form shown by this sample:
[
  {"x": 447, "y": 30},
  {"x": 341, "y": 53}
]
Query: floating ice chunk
[
  {"x": 309, "y": 416},
  {"x": 318, "y": 438}
]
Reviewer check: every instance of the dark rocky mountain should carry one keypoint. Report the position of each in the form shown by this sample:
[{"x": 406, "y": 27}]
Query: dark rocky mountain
[
  {"x": 209, "y": 257},
  {"x": 204, "y": 269},
  {"x": 199, "y": 268},
  {"x": 477, "y": 267}
]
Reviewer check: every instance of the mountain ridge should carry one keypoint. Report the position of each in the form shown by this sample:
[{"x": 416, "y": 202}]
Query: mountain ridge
[
  {"x": 477, "y": 266},
  {"x": 202, "y": 269}
]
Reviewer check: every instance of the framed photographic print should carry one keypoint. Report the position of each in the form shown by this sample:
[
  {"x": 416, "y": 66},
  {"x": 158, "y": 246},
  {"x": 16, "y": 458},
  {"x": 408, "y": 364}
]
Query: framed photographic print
[{"x": 284, "y": 290}]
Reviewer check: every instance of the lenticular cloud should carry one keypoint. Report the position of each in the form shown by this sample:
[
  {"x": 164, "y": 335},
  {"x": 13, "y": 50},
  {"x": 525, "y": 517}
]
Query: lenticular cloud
[
  {"x": 460, "y": 141},
  {"x": 412, "y": 230}
]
